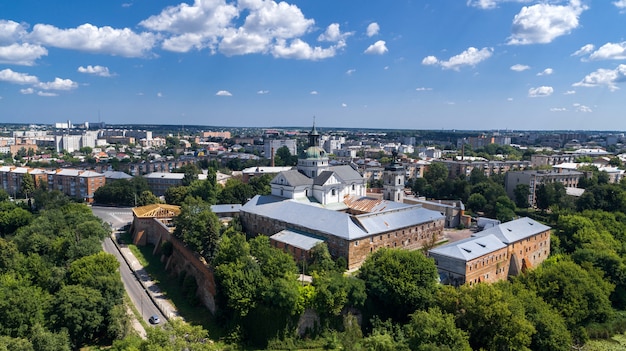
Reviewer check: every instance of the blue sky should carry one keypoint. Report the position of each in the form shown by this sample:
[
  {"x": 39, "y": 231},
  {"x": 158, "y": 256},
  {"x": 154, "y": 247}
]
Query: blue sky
[{"x": 462, "y": 64}]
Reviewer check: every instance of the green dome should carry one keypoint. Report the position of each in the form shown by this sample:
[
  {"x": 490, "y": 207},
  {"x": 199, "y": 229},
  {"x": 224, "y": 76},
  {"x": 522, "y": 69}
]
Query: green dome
[{"x": 314, "y": 152}]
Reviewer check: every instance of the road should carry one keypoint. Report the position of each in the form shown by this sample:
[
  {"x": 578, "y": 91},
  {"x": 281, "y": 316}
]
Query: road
[{"x": 119, "y": 217}]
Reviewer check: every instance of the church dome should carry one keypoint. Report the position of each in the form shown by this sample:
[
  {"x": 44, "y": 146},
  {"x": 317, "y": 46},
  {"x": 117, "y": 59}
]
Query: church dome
[{"x": 314, "y": 152}]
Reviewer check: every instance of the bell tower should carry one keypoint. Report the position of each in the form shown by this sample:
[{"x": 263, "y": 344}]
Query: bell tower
[{"x": 393, "y": 180}]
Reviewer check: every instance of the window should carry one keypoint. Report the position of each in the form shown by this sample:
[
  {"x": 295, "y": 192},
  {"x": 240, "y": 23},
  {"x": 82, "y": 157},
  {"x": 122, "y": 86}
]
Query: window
[
  {"x": 333, "y": 192},
  {"x": 356, "y": 243}
]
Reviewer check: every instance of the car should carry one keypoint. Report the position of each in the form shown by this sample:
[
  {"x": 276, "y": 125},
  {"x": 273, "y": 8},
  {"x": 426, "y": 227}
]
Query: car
[{"x": 154, "y": 319}]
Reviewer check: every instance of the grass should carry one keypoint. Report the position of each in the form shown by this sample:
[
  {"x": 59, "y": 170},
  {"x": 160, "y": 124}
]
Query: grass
[{"x": 169, "y": 285}]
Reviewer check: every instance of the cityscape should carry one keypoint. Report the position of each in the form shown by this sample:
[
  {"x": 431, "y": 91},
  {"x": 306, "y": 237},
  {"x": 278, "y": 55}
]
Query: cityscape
[{"x": 243, "y": 175}]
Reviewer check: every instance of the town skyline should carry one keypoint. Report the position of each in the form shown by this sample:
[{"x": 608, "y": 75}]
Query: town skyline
[{"x": 471, "y": 65}]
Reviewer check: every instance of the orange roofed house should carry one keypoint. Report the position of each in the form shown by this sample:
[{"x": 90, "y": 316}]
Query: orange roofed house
[{"x": 494, "y": 253}]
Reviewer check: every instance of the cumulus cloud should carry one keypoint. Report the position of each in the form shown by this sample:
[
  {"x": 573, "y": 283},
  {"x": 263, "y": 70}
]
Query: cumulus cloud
[
  {"x": 586, "y": 49},
  {"x": 519, "y": 68},
  {"x": 558, "y": 109},
  {"x": 301, "y": 50},
  {"x": 344, "y": 105},
  {"x": 542, "y": 23},
  {"x": 313, "y": 92},
  {"x": 373, "y": 29},
  {"x": 582, "y": 108},
  {"x": 223, "y": 93},
  {"x": 546, "y": 72},
  {"x": 604, "y": 77},
  {"x": 333, "y": 34},
  {"x": 11, "y": 31},
  {"x": 46, "y": 93},
  {"x": 541, "y": 91},
  {"x": 378, "y": 48},
  {"x": 23, "y": 54},
  {"x": 58, "y": 84},
  {"x": 469, "y": 57},
  {"x": 27, "y": 91},
  {"x": 89, "y": 38},
  {"x": 570, "y": 92},
  {"x": 620, "y": 4},
  {"x": 263, "y": 92},
  {"x": 610, "y": 51},
  {"x": 7, "y": 75},
  {"x": 350, "y": 71},
  {"x": 423, "y": 89},
  {"x": 100, "y": 71},
  {"x": 490, "y": 4}
]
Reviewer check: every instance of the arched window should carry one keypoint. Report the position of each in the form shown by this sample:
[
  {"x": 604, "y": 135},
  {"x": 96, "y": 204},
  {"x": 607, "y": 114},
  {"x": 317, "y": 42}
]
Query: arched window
[{"x": 333, "y": 192}]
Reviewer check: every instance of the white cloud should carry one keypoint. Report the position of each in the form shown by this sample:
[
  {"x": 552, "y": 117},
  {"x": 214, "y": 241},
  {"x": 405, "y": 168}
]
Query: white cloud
[
  {"x": 509, "y": 99},
  {"x": 7, "y": 75},
  {"x": 334, "y": 34},
  {"x": 58, "y": 84},
  {"x": 344, "y": 105},
  {"x": 541, "y": 91},
  {"x": 89, "y": 38},
  {"x": 159, "y": 94},
  {"x": 263, "y": 92},
  {"x": 546, "y": 72},
  {"x": 21, "y": 54},
  {"x": 46, "y": 93},
  {"x": 27, "y": 91},
  {"x": 301, "y": 50},
  {"x": 423, "y": 89},
  {"x": 430, "y": 60},
  {"x": 582, "y": 108},
  {"x": 373, "y": 29},
  {"x": 100, "y": 71},
  {"x": 350, "y": 71},
  {"x": 558, "y": 109},
  {"x": 542, "y": 23},
  {"x": 519, "y": 68},
  {"x": 469, "y": 57},
  {"x": 223, "y": 93},
  {"x": 378, "y": 48},
  {"x": 490, "y": 4},
  {"x": 606, "y": 77},
  {"x": 313, "y": 92},
  {"x": 11, "y": 31},
  {"x": 586, "y": 49},
  {"x": 610, "y": 51},
  {"x": 570, "y": 92},
  {"x": 620, "y": 4}
]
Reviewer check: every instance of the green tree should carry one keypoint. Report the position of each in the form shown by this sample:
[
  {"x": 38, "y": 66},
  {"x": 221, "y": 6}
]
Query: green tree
[
  {"x": 78, "y": 309},
  {"x": 175, "y": 195},
  {"x": 476, "y": 203},
  {"x": 433, "y": 329},
  {"x": 198, "y": 227},
  {"x": 398, "y": 282},
  {"x": 235, "y": 192},
  {"x": 437, "y": 171},
  {"x": 22, "y": 305},
  {"x": 28, "y": 185},
  {"x": 520, "y": 194}
]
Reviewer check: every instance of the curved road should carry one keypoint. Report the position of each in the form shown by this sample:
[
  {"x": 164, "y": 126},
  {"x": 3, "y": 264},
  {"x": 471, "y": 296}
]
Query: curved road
[{"x": 119, "y": 217}]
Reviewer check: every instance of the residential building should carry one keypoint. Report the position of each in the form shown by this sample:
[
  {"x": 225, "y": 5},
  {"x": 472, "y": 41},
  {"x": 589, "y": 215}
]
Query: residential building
[
  {"x": 493, "y": 254},
  {"x": 464, "y": 167},
  {"x": 76, "y": 183},
  {"x": 270, "y": 146},
  {"x": 533, "y": 179}
]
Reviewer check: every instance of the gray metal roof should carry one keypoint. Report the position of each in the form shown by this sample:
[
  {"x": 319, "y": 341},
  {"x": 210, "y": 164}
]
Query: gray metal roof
[
  {"x": 335, "y": 223},
  {"x": 515, "y": 230},
  {"x": 470, "y": 248},
  {"x": 225, "y": 208},
  {"x": 297, "y": 239},
  {"x": 347, "y": 173},
  {"x": 116, "y": 175},
  {"x": 293, "y": 178},
  {"x": 323, "y": 177}
]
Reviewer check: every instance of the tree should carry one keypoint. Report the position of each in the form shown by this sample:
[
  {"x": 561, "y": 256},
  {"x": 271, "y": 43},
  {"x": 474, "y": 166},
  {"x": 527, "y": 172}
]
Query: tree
[
  {"x": 521, "y": 193},
  {"x": 235, "y": 192},
  {"x": 434, "y": 329},
  {"x": 198, "y": 227},
  {"x": 399, "y": 282},
  {"x": 283, "y": 157},
  {"x": 476, "y": 202},
  {"x": 78, "y": 309},
  {"x": 22, "y": 305},
  {"x": 28, "y": 185},
  {"x": 175, "y": 195},
  {"x": 437, "y": 171}
]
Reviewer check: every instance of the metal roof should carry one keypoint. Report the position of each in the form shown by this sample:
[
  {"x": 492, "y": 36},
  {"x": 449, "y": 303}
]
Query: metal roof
[
  {"x": 515, "y": 230},
  {"x": 335, "y": 223},
  {"x": 225, "y": 208},
  {"x": 293, "y": 178},
  {"x": 470, "y": 248},
  {"x": 301, "y": 240}
]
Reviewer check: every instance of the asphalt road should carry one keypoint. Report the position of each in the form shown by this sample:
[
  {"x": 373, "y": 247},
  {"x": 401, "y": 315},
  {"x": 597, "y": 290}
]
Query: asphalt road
[{"x": 119, "y": 217}]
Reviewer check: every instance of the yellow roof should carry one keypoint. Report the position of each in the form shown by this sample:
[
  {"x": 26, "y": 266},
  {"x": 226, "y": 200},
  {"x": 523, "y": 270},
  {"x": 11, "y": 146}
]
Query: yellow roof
[{"x": 156, "y": 211}]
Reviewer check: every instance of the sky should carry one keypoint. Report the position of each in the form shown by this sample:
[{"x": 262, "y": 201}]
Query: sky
[{"x": 441, "y": 64}]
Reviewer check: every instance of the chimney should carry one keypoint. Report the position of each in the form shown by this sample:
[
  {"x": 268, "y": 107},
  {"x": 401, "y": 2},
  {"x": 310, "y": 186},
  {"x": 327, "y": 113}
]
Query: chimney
[{"x": 272, "y": 158}]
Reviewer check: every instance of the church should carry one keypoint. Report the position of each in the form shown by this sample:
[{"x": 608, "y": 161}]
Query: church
[
  {"x": 314, "y": 180},
  {"x": 316, "y": 202}
]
